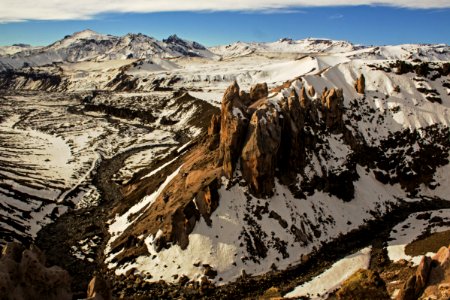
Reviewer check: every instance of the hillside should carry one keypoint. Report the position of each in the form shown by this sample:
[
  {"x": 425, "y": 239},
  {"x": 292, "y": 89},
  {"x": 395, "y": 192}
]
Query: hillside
[{"x": 254, "y": 168}]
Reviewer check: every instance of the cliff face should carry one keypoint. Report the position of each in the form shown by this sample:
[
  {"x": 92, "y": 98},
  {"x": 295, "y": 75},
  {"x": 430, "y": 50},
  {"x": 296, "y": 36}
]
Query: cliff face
[
  {"x": 232, "y": 129},
  {"x": 275, "y": 136},
  {"x": 240, "y": 185},
  {"x": 259, "y": 154}
]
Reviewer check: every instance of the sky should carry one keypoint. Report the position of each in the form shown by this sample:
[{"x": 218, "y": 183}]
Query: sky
[{"x": 213, "y": 22}]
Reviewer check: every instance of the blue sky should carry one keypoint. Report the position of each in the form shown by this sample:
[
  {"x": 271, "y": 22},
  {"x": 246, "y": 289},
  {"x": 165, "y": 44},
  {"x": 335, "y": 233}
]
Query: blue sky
[{"x": 367, "y": 24}]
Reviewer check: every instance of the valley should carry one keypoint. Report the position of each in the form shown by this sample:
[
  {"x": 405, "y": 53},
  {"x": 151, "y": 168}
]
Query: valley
[{"x": 175, "y": 170}]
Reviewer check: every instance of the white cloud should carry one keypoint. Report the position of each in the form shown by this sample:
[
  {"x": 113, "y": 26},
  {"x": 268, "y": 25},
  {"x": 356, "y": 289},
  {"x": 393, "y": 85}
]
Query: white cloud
[{"x": 13, "y": 10}]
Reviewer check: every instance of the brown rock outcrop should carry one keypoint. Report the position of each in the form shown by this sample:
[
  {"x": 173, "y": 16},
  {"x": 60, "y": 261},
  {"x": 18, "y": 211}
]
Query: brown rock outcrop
[
  {"x": 99, "y": 289},
  {"x": 291, "y": 153},
  {"x": 332, "y": 101},
  {"x": 207, "y": 200},
  {"x": 258, "y": 91},
  {"x": 24, "y": 276},
  {"x": 214, "y": 132},
  {"x": 360, "y": 84},
  {"x": 304, "y": 100},
  {"x": 431, "y": 280},
  {"x": 408, "y": 292},
  {"x": 439, "y": 278},
  {"x": 233, "y": 128},
  {"x": 311, "y": 91},
  {"x": 259, "y": 155},
  {"x": 245, "y": 98},
  {"x": 214, "y": 127},
  {"x": 422, "y": 274}
]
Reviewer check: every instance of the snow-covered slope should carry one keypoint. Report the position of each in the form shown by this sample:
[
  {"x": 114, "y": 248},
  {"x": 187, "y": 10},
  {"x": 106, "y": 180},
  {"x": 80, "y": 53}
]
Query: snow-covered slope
[
  {"x": 425, "y": 52},
  {"x": 374, "y": 160},
  {"x": 285, "y": 45},
  {"x": 9, "y": 50}
]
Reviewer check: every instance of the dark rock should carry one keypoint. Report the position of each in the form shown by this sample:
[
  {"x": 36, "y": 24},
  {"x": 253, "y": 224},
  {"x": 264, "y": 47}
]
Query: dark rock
[
  {"x": 24, "y": 276},
  {"x": 408, "y": 292},
  {"x": 258, "y": 92}
]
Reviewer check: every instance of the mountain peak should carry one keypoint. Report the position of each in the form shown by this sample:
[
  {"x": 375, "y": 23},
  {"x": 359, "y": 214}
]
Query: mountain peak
[
  {"x": 173, "y": 39},
  {"x": 87, "y": 33}
]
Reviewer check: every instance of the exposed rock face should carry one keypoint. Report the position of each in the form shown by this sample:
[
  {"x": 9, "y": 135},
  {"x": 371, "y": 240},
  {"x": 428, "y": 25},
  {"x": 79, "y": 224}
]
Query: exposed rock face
[
  {"x": 304, "y": 100},
  {"x": 422, "y": 274},
  {"x": 23, "y": 275},
  {"x": 273, "y": 143},
  {"x": 364, "y": 284},
  {"x": 360, "y": 84},
  {"x": 291, "y": 155},
  {"x": 332, "y": 101},
  {"x": 259, "y": 155},
  {"x": 439, "y": 278},
  {"x": 431, "y": 280},
  {"x": 233, "y": 129},
  {"x": 99, "y": 289},
  {"x": 214, "y": 132},
  {"x": 30, "y": 79},
  {"x": 258, "y": 91},
  {"x": 311, "y": 91}
]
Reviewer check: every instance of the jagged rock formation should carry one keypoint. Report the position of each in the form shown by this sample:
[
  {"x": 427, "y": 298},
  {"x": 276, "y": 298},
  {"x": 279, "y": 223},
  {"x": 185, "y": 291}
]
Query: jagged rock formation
[
  {"x": 332, "y": 103},
  {"x": 294, "y": 144},
  {"x": 431, "y": 280},
  {"x": 258, "y": 91},
  {"x": 360, "y": 84},
  {"x": 24, "y": 276},
  {"x": 259, "y": 154},
  {"x": 232, "y": 129}
]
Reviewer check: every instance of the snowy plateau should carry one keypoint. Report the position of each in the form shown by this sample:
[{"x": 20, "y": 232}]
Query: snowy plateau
[{"x": 237, "y": 171}]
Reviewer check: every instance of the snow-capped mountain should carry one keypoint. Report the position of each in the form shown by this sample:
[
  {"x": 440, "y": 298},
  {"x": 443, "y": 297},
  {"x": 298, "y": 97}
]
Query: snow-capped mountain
[
  {"x": 287, "y": 45},
  {"x": 9, "y": 50},
  {"x": 88, "y": 45},
  {"x": 316, "y": 46}
]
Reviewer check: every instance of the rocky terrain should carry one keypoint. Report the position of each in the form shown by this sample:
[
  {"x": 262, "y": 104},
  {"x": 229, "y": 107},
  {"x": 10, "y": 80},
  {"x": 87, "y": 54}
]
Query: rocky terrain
[{"x": 310, "y": 168}]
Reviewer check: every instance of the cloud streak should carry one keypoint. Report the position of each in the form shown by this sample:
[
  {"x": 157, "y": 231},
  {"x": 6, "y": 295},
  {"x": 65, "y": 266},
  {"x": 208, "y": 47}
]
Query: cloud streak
[{"x": 13, "y": 10}]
